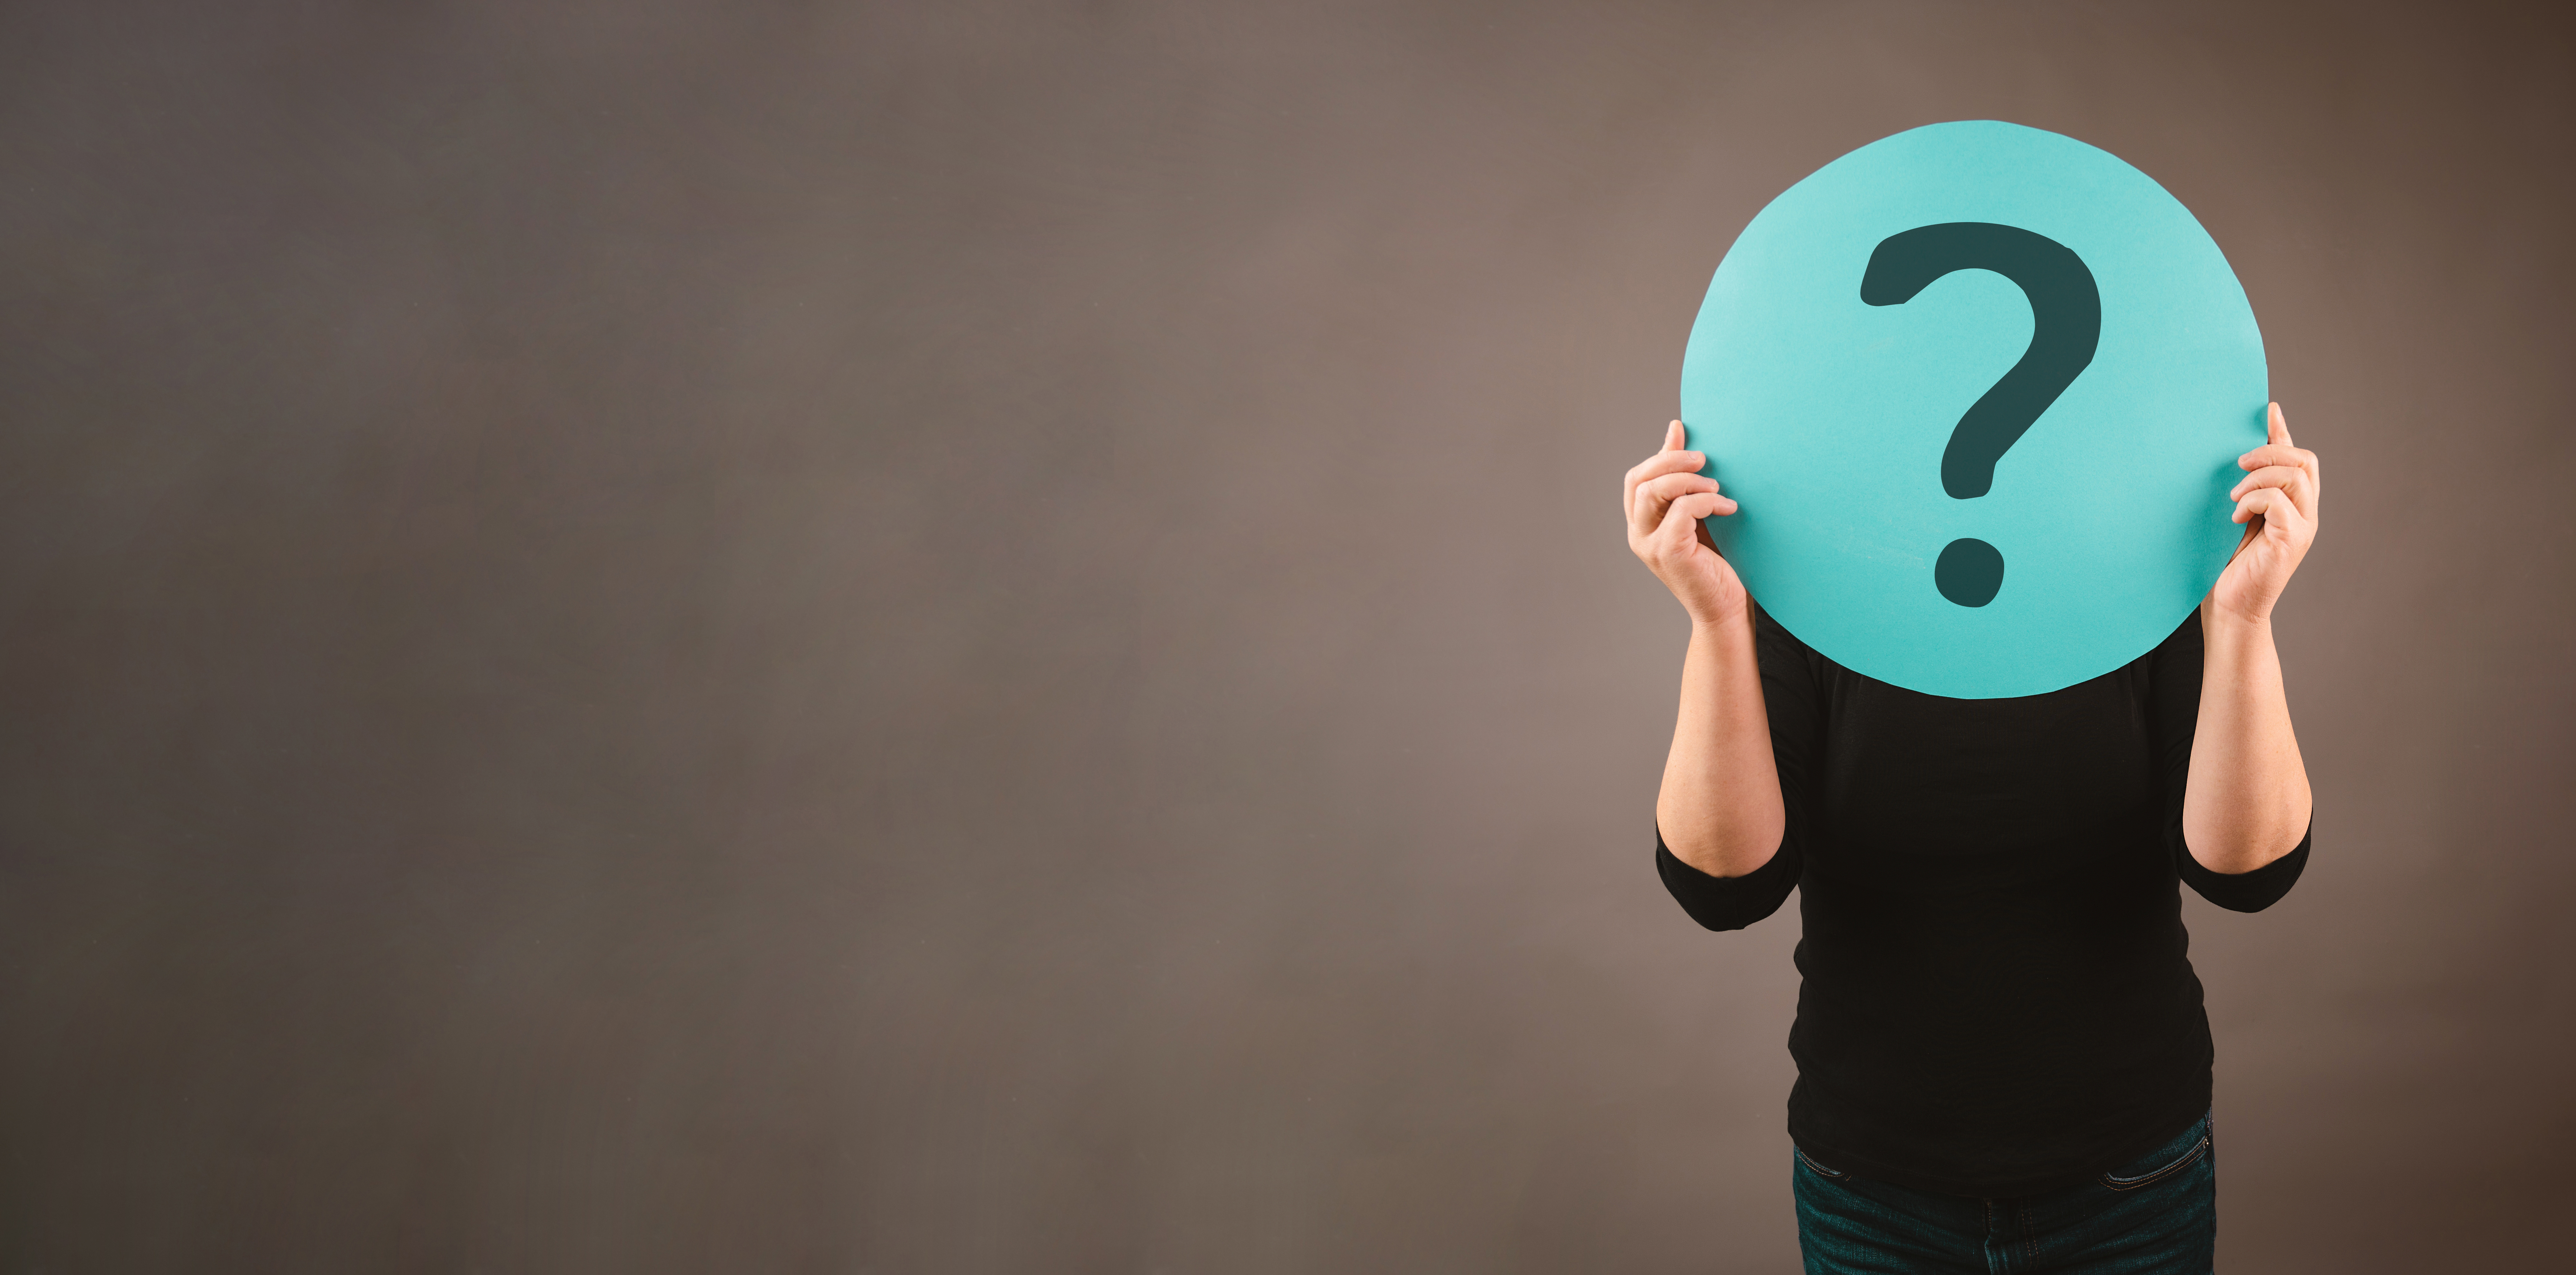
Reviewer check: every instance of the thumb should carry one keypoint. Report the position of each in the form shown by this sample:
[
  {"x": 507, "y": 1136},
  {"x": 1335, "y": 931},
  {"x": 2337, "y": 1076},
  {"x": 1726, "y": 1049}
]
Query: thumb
[
  {"x": 2277, "y": 427},
  {"x": 1674, "y": 437}
]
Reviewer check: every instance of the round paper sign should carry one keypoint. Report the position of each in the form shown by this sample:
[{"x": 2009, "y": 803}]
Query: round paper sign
[{"x": 1980, "y": 390}]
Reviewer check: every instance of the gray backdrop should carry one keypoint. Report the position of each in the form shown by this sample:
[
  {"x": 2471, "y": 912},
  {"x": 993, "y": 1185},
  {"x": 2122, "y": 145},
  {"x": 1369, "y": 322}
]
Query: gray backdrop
[{"x": 946, "y": 637}]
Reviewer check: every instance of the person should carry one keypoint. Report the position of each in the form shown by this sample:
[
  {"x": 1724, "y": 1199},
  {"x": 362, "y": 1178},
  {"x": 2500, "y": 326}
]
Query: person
[{"x": 2003, "y": 1060}]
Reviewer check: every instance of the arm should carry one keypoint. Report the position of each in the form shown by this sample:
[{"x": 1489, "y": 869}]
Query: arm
[
  {"x": 1719, "y": 810},
  {"x": 2247, "y": 802}
]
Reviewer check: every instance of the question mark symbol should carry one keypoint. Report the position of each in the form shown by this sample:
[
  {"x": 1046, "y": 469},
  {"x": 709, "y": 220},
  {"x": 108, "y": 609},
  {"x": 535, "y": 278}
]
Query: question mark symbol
[{"x": 2066, "y": 324}]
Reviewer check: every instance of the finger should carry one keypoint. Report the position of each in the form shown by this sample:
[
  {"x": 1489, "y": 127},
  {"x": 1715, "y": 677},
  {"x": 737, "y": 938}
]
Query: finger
[
  {"x": 2295, "y": 457},
  {"x": 2284, "y": 477},
  {"x": 1671, "y": 487},
  {"x": 1704, "y": 504},
  {"x": 1662, "y": 463},
  {"x": 2274, "y": 507},
  {"x": 1655, "y": 499},
  {"x": 1656, "y": 466},
  {"x": 2275, "y": 454},
  {"x": 1672, "y": 540},
  {"x": 1647, "y": 504},
  {"x": 2276, "y": 427},
  {"x": 1675, "y": 436},
  {"x": 2298, "y": 482}
]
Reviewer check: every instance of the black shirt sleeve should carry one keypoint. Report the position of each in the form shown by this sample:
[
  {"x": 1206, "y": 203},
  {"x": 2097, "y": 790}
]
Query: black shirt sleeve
[
  {"x": 1794, "y": 703},
  {"x": 2175, "y": 666},
  {"x": 2248, "y": 891},
  {"x": 1727, "y": 903}
]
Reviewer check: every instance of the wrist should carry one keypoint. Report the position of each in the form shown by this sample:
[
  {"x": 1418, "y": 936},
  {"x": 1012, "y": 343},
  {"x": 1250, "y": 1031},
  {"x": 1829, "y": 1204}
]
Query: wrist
[
  {"x": 1728, "y": 624},
  {"x": 2219, "y": 621}
]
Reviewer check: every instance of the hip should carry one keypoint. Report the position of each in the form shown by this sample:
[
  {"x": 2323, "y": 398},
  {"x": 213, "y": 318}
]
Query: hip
[{"x": 2154, "y": 1212}]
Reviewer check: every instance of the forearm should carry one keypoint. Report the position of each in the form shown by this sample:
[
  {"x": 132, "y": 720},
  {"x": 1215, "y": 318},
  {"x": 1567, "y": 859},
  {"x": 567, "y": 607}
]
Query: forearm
[
  {"x": 2246, "y": 802},
  {"x": 1720, "y": 808}
]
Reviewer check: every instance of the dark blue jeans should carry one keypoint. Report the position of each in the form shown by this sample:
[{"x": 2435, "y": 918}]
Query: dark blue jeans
[{"x": 2157, "y": 1213}]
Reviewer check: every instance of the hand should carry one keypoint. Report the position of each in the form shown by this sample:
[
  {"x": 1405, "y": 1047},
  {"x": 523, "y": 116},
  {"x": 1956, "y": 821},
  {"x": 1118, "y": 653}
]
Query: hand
[
  {"x": 2277, "y": 502},
  {"x": 1665, "y": 497}
]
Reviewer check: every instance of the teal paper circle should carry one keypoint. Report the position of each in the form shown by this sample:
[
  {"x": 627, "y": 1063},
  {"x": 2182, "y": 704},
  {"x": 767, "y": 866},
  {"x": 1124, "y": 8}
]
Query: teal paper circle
[{"x": 1827, "y": 417}]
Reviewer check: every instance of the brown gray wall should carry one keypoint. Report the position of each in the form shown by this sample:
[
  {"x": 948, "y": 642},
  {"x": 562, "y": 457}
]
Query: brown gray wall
[{"x": 932, "y": 637}]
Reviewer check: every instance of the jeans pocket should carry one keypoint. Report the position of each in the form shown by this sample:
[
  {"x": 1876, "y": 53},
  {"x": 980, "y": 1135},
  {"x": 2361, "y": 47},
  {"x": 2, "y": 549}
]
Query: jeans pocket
[
  {"x": 1835, "y": 1174},
  {"x": 2164, "y": 1162}
]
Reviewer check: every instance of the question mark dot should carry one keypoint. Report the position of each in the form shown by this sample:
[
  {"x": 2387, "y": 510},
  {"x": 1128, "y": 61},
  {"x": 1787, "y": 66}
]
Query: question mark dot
[{"x": 1969, "y": 572}]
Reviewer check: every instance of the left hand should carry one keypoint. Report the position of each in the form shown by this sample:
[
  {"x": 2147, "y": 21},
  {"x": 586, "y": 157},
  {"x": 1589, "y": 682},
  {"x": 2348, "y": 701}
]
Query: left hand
[{"x": 2277, "y": 502}]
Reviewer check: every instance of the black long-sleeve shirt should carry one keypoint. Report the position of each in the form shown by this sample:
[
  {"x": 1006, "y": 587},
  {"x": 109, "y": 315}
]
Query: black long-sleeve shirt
[{"x": 1996, "y": 999}]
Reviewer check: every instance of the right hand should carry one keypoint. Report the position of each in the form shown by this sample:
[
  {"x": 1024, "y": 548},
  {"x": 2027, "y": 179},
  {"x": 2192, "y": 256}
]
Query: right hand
[{"x": 1665, "y": 498}]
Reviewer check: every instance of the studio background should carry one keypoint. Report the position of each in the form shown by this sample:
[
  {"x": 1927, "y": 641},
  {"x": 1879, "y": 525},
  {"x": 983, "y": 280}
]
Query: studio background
[{"x": 957, "y": 637}]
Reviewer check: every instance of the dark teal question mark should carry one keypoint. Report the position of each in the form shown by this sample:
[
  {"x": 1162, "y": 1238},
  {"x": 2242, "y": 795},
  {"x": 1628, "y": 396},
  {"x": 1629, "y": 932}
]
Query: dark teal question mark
[{"x": 2065, "y": 326}]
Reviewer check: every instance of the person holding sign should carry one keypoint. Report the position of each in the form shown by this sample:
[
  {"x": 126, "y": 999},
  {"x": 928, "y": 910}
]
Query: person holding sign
[{"x": 2003, "y": 1060}]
